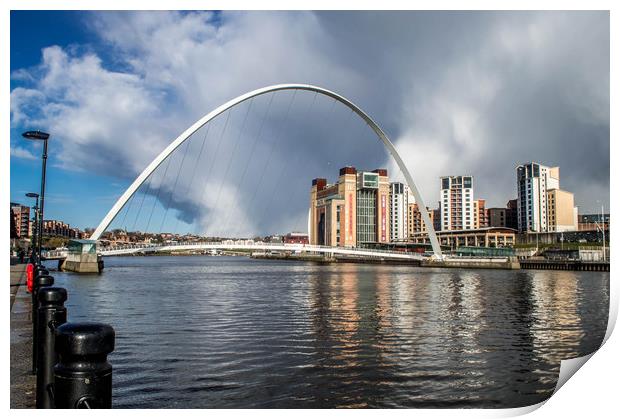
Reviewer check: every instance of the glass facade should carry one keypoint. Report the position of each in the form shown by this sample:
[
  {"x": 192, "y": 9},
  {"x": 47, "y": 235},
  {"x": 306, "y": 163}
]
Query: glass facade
[
  {"x": 370, "y": 180},
  {"x": 445, "y": 183},
  {"x": 366, "y": 215}
]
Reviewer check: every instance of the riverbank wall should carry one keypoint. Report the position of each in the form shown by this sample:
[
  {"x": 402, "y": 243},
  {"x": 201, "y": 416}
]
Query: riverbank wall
[
  {"x": 334, "y": 258},
  {"x": 473, "y": 263},
  {"x": 565, "y": 265}
]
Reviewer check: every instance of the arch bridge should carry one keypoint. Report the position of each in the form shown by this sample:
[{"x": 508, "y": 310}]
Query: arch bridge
[{"x": 122, "y": 201}]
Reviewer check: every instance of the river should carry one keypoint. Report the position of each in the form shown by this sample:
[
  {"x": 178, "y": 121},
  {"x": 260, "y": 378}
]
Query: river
[{"x": 222, "y": 332}]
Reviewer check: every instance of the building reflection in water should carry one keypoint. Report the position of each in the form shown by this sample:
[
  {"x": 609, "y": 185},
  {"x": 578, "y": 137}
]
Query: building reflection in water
[
  {"x": 479, "y": 331},
  {"x": 558, "y": 325},
  {"x": 270, "y": 334}
]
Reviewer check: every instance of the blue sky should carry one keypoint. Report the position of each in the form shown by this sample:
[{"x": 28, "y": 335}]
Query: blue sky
[
  {"x": 31, "y": 31},
  {"x": 457, "y": 92}
]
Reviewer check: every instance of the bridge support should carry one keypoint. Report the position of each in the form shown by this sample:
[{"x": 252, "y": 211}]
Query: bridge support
[{"x": 82, "y": 257}]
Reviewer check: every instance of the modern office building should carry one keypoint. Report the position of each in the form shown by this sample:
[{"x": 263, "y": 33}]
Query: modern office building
[
  {"x": 21, "y": 220},
  {"x": 353, "y": 211},
  {"x": 457, "y": 203},
  {"x": 533, "y": 181},
  {"x": 400, "y": 200},
  {"x": 541, "y": 205}
]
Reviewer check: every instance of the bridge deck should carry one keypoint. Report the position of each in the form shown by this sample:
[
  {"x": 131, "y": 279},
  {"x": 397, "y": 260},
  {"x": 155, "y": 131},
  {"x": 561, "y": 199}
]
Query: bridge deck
[{"x": 281, "y": 247}]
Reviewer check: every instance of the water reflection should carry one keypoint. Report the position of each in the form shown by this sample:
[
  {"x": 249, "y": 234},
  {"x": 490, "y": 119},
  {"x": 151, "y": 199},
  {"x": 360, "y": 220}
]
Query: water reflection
[{"x": 235, "y": 332}]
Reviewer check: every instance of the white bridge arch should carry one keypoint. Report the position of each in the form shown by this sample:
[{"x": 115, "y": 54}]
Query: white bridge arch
[{"x": 118, "y": 206}]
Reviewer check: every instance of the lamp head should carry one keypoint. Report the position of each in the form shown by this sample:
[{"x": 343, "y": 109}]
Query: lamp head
[{"x": 35, "y": 135}]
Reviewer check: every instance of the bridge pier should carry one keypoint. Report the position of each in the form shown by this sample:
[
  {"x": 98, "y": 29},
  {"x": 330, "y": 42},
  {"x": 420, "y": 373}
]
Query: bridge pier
[{"x": 82, "y": 257}]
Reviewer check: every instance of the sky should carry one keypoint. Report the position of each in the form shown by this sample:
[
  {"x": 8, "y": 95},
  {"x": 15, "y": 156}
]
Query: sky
[{"x": 457, "y": 92}]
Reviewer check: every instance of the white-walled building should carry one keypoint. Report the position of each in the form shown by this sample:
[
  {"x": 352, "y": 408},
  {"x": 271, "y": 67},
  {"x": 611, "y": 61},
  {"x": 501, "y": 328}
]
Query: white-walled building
[
  {"x": 457, "y": 203},
  {"x": 400, "y": 198},
  {"x": 533, "y": 182}
]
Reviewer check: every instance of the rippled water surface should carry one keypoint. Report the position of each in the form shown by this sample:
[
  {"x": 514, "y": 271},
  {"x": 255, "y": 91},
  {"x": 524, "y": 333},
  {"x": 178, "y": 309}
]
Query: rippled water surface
[{"x": 202, "y": 332}]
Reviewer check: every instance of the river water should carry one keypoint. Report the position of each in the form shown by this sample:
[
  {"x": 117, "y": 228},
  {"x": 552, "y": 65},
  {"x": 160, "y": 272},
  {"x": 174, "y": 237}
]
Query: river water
[{"x": 219, "y": 332}]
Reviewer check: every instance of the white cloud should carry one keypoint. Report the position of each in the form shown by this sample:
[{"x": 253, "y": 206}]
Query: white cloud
[{"x": 22, "y": 153}]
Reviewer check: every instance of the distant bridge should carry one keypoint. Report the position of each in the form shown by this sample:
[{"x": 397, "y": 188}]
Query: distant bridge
[{"x": 275, "y": 247}]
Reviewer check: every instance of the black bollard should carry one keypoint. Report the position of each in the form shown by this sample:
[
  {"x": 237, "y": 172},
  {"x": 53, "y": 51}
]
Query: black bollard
[
  {"x": 52, "y": 314},
  {"x": 83, "y": 376},
  {"x": 38, "y": 271},
  {"x": 39, "y": 281}
]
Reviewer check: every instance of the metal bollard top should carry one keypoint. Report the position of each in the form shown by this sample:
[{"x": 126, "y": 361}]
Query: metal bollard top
[
  {"x": 43, "y": 281},
  {"x": 85, "y": 339},
  {"x": 38, "y": 271},
  {"x": 52, "y": 295}
]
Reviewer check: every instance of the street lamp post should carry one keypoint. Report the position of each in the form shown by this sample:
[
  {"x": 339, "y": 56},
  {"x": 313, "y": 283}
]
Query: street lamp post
[
  {"x": 40, "y": 136},
  {"x": 36, "y": 224}
]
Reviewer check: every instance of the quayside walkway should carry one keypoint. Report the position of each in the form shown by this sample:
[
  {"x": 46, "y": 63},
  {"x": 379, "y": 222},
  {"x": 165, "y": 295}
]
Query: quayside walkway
[{"x": 22, "y": 381}]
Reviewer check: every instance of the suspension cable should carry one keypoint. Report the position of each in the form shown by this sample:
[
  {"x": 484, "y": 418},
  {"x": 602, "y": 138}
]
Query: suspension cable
[
  {"x": 189, "y": 187},
  {"x": 127, "y": 211},
  {"x": 260, "y": 130},
  {"x": 232, "y": 155},
  {"x": 285, "y": 168},
  {"x": 158, "y": 192},
  {"x": 271, "y": 151},
  {"x": 303, "y": 214},
  {"x": 202, "y": 200},
  {"x": 174, "y": 186},
  {"x": 148, "y": 188}
]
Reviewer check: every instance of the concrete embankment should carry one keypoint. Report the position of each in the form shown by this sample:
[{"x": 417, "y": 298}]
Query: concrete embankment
[
  {"x": 22, "y": 381},
  {"x": 334, "y": 258},
  {"x": 473, "y": 263},
  {"x": 565, "y": 265}
]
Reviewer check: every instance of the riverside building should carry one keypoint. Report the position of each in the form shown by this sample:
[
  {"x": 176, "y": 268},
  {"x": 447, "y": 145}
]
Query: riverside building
[
  {"x": 541, "y": 205},
  {"x": 400, "y": 200},
  {"x": 416, "y": 224},
  {"x": 561, "y": 211},
  {"x": 353, "y": 211},
  {"x": 503, "y": 217},
  {"x": 457, "y": 203},
  {"x": 20, "y": 216},
  {"x": 533, "y": 180},
  {"x": 480, "y": 214}
]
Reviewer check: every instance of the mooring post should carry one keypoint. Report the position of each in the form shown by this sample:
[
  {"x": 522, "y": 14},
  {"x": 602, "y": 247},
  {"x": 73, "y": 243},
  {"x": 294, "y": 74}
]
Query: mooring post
[
  {"x": 51, "y": 315},
  {"x": 83, "y": 376},
  {"x": 39, "y": 282},
  {"x": 39, "y": 270}
]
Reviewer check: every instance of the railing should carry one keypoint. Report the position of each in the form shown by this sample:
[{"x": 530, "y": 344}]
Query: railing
[
  {"x": 261, "y": 246},
  {"x": 152, "y": 247}
]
